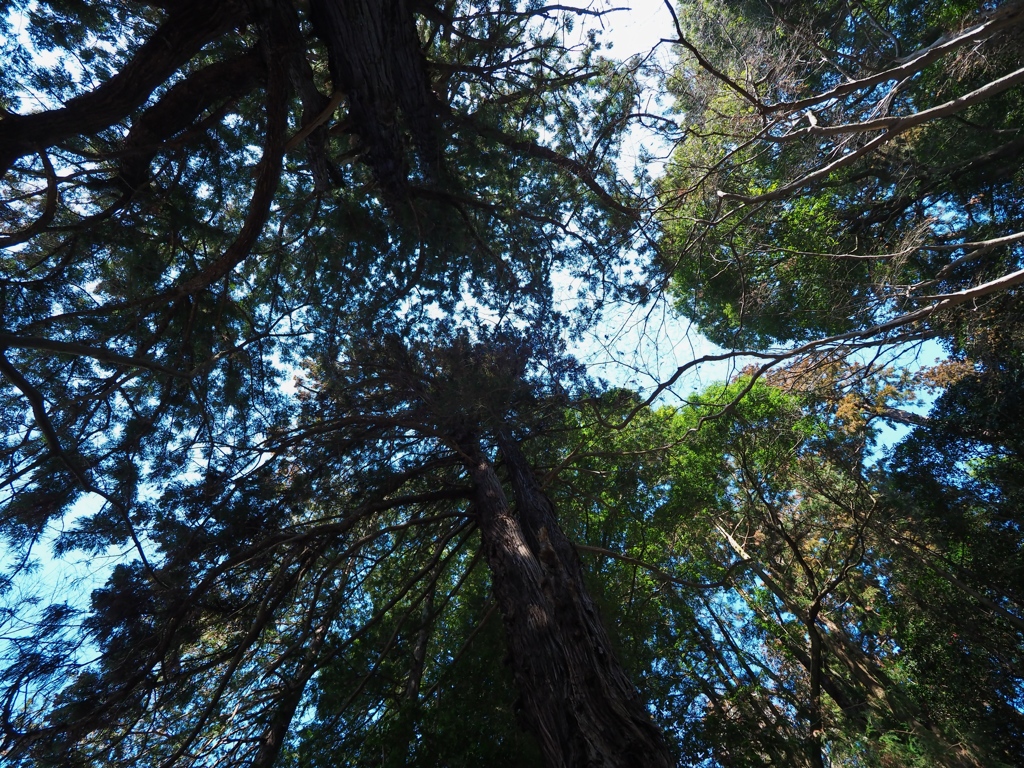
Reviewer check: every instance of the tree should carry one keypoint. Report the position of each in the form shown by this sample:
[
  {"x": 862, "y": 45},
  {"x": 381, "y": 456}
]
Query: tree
[
  {"x": 848, "y": 181},
  {"x": 281, "y": 356},
  {"x": 787, "y": 600},
  {"x": 845, "y": 169},
  {"x": 182, "y": 227}
]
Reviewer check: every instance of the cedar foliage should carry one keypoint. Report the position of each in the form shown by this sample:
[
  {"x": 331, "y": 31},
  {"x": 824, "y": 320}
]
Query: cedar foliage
[{"x": 283, "y": 367}]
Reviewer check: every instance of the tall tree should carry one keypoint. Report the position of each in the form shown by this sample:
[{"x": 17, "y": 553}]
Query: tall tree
[
  {"x": 281, "y": 360},
  {"x": 217, "y": 194}
]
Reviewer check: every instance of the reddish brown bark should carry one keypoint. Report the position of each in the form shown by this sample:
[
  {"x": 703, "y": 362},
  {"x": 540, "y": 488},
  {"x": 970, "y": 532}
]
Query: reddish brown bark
[
  {"x": 576, "y": 698},
  {"x": 375, "y": 59}
]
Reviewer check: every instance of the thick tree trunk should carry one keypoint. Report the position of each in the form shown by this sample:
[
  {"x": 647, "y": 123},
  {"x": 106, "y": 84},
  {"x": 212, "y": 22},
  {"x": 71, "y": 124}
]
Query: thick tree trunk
[
  {"x": 576, "y": 698},
  {"x": 375, "y": 59}
]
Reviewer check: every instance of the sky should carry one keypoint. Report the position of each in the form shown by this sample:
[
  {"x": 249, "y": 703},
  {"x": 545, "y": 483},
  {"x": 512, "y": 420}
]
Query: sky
[
  {"x": 634, "y": 347},
  {"x": 640, "y": 347},
  {"x": 639, "y": 28}
]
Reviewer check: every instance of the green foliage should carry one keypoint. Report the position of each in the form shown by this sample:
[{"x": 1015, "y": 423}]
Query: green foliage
[
  {"x": 263, "y": 282},
  {"x": 765, "y": 525},
  {"x": 778, "y": 230}
]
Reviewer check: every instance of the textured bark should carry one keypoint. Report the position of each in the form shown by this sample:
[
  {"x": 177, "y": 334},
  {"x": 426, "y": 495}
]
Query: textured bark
[
  {"x": 375, "y": 59},
  {"x": 576, "y": 698},
  {"x": 314, "y": 103}
]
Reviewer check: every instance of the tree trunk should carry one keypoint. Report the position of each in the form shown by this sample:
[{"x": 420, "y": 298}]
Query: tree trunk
[
  {"x": 375, "y": 59},
  {"x": 576, "y": 698}
]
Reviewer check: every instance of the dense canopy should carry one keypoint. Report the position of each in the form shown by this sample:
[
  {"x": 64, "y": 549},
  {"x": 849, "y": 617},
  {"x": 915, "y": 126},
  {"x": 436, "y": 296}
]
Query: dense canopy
[{"x": 302, "y": 462}]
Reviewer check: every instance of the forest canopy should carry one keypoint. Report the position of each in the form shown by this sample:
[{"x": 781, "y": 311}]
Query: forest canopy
[{"x": 305, "y": 459}]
